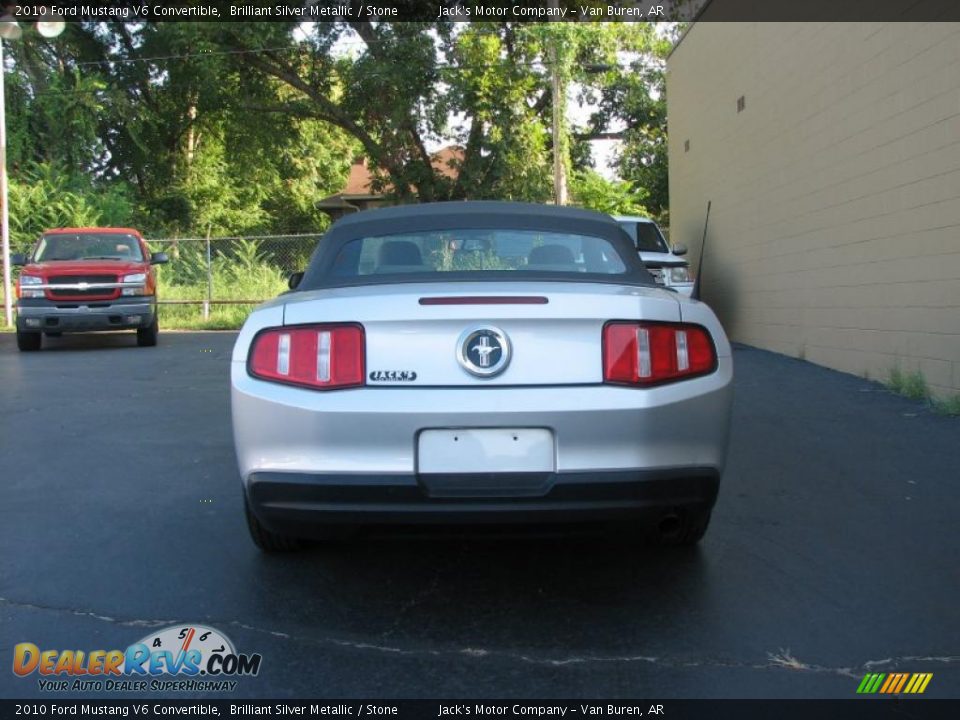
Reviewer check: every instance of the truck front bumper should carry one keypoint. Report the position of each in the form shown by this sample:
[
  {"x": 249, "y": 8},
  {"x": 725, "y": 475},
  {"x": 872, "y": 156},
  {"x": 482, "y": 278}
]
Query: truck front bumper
[{"x": 42, "y": 315}]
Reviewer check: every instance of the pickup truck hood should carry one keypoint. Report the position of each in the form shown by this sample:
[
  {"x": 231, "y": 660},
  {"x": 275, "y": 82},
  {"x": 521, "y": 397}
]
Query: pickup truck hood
[
  {"x": 85, "y": 267},
  {"x": 661, "y": 259}
]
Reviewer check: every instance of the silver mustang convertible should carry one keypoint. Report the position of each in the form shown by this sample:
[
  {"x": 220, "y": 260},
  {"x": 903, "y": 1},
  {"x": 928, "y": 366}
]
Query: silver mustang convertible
[{"x": 479, "y": 362}]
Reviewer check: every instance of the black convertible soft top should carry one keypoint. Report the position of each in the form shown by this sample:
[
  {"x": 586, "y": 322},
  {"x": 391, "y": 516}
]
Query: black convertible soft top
[{"x": 478, "y": 215}]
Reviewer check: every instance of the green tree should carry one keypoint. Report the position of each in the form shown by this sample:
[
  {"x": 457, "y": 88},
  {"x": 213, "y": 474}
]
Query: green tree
[
  {"x": 591, "y": 190},
  {"x": 242, "y": 127},
  {"x": 159, "y": 110},
  {"x": 404, "y": 80},
  {"x": 45, "y": 196},
  {"x": 635, "y": 97}
]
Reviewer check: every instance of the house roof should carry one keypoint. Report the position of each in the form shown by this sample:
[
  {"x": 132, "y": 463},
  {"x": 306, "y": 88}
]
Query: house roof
[
  {"x": 360, "y": 180},
  {"x": 445, "y": 161}
]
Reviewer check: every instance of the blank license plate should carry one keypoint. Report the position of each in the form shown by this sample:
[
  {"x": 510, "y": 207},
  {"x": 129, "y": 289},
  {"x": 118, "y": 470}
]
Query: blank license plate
[{"x": 486, "y": 451}]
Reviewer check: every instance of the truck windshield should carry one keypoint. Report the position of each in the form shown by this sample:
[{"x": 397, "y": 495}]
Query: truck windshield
[
  {"x": 645, "y": 235},
  {"x": 87, "y": 246}
]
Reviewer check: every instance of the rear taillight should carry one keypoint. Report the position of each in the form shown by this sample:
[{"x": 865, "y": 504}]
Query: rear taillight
[
  {"x": 322, "y": 357},
  {"x": 650, "y": 353}
]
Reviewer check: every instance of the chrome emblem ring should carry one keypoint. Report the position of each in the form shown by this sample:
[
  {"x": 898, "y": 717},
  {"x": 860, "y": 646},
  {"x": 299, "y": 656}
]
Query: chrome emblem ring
[{"x": 483, "y": 351}]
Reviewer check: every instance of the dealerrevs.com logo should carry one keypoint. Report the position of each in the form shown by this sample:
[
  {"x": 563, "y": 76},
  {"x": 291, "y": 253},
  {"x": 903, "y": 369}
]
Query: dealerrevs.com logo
[{"x": 186, "y": 658}]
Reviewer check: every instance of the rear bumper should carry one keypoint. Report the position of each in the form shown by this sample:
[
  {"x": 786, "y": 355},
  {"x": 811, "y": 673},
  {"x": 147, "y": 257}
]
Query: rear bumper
[
  {"x": 374, "y": 431},
  {"x": 298, "y": 503},
  {"x": 50, "y": 316}
]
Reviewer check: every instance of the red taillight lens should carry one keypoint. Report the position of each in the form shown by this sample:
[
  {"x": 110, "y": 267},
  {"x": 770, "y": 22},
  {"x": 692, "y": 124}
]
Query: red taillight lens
[
  {"x": 323, "y": 357},
  {"x": 649, "y": 353}
]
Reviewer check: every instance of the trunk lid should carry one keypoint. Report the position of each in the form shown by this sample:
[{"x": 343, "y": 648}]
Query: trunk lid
[{"x": 409, "y": 343}]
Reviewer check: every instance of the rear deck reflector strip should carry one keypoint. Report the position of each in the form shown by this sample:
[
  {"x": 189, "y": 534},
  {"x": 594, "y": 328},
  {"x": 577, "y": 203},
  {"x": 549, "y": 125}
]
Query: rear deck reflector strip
[{"x": 485, "y": 300}]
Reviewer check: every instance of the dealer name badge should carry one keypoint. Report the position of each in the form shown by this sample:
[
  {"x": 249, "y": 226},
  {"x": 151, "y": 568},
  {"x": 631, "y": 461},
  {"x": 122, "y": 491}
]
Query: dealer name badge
[{"x": 177, "y": 658}]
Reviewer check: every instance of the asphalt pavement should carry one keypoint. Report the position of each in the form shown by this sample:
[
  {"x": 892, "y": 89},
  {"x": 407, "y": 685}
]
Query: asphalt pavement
[{"x": 834, "y": 550}]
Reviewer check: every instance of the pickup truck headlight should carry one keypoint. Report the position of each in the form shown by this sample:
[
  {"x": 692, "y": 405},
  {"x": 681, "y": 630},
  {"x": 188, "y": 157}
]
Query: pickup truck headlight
[
  {"x": 140, "y": 289},
  {"x": 26, "y": 291},
  {"x": 680, "y": 275}
]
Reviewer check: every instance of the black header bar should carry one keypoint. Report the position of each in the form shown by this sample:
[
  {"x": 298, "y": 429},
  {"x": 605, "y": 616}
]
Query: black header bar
[
  {"x": 293, "y": 11},
  {"x": 352, "y": 709}
]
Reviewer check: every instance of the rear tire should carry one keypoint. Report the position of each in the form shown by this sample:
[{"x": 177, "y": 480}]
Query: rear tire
[
  {"x": 147, "y": 337},
  {"x": 29, "y": 341},
  {"x": 267, "y": 540}
]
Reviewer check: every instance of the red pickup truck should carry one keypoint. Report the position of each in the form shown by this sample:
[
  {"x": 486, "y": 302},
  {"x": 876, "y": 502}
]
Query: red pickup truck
[{"x": 87, "y": 279}]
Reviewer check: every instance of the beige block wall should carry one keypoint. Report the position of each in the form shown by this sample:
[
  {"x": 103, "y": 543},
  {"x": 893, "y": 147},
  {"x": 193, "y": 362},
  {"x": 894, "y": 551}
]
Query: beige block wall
[{"x": 835, "y": 228}]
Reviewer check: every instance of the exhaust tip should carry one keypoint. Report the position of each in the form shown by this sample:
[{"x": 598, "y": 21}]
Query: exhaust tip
[{"x": 669, "y": 526}]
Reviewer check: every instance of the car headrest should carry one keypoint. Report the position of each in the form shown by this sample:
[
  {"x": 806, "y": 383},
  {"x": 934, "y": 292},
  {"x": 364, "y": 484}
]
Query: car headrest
[
  {"x": 551, "y": 255},
  {"x": 399, "y": 252}
]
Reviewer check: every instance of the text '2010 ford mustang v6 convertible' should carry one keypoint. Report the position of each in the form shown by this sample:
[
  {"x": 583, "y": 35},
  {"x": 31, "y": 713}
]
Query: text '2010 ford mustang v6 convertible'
[{"x": 479, "y": 362}]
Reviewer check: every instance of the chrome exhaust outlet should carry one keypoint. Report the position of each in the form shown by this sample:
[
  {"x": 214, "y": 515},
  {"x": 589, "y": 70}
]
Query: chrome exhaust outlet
[{"x": 669, "y": 526}]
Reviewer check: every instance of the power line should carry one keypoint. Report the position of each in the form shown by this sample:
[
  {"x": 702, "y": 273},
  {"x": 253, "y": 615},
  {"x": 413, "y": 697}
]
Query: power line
[
  {"x": 444, "y": 67},
  {"x": 256, "y": 51},
  {"x": 184, "y": 56}
]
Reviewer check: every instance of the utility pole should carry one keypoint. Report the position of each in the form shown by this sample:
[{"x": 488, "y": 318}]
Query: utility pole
[
  {"x": 10, "y": 30},
  {"x": 557, "y": 98},
  {"x": 5, "y": 198}
]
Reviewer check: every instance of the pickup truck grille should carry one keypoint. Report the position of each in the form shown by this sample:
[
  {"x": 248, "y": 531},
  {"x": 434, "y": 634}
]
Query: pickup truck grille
[{"x": 74, "y": 279}]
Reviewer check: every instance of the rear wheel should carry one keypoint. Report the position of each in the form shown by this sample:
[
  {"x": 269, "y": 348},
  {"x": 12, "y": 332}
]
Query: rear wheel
[
  {"x": 267, "y": 540},
  {"x": 29, "y": 341},
  {"x": 147, "y": 337}
]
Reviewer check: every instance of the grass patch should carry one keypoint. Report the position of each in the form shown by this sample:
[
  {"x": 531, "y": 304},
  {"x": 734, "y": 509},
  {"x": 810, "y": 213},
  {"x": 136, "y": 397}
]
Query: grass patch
[
  {"x": 190, "y": 317},
  {"x": 914, "y": 386},
  {"x": 910, "y": 385},
  {"x": 254, "y": 282},
  {"x": 946, "y": 406}
]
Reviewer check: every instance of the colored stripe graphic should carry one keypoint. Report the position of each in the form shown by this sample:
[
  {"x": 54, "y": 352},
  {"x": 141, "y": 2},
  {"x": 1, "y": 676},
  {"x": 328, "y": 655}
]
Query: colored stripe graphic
[
  {"x": 894, "y": 683},
  {"x": 871, "y": 683},
  {"x": 903, "y": 681},
  {"x": 918, "y": 683}
]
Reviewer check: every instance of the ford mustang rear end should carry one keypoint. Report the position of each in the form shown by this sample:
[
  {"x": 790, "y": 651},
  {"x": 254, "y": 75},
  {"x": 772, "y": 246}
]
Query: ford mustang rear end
[{"x": 479, "y": 362}]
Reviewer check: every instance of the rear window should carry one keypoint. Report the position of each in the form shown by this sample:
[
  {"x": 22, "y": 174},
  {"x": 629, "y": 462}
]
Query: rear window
[
  {"x": 477, "y": 251},
  {"x": 87, "y": 246}
]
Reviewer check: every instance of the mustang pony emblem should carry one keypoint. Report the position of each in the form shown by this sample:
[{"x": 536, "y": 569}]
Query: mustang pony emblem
[{"x": 483, "y": 351}]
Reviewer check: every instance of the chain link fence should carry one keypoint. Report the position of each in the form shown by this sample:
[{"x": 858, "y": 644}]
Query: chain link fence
[
  {"x": 215, "y": 282},
  {"x": 206, "y": 276}
]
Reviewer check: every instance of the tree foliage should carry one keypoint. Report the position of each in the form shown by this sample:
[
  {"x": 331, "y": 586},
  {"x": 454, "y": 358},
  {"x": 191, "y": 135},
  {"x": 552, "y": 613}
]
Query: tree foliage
[
  {"x": 592, "y": 190},
  {"x": 45, "y": 195},
  {"x": 635, "y": 99},
  {"x": 226, "y": 128}
]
